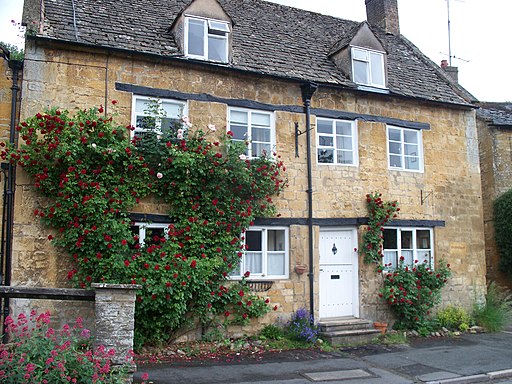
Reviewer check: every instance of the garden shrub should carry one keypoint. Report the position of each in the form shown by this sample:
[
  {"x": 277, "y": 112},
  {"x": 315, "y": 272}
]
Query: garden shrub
[
  {"x": 92, "y": 175},
  {"x": 412, "y": 291},
  {"x": 454, "y": 318},
  {"x": 272, "y": 332},
  {"x": 302, "y": 327},
  {"x": 37, "y": 353},
  {"x": 503, "y": 229}
]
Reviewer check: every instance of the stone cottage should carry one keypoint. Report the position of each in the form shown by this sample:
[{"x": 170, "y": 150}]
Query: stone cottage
[
  {"x": 351, "y": 108},
  {"x": 494, "y": 124}
]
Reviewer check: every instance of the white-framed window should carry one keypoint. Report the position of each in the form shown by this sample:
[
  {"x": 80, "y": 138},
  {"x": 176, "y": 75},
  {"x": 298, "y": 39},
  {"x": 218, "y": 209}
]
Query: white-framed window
[
  {"x": 150, "y": 233},
  {"x": 266, "y": 255},
  {"x": 413, "y": 244},
  {"x": 368, "y": 67},
  {"x": 254, "y": 127},
  {"x": 148, "y": 112},
  {"x": 405, "y": 149},
  {"x": 206, "y": 39},
  {"x": 336, "y": 141}
]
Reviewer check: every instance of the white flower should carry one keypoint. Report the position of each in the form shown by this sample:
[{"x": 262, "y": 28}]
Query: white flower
[
  {"x": 185, "y": 119},
  {"x": 211, "y": 127},
  {"x": 180, "y": 131},
  {"x": 93, "y": 145},
  {"x": 179, "y": 136},
  {"x": 159, "y": 175},
  {"x": 242, "y": 157},
  {"x": 188, "y": 124}
]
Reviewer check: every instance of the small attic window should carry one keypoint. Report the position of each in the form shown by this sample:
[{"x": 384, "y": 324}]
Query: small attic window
[
  {"x": 368, "y": 67},
  {"x": 206, "y": 39}
]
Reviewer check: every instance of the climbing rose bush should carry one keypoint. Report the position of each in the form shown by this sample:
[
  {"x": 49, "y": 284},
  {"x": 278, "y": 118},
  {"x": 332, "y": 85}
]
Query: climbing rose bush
[
  {"x": 37, "y": 353},
  {"x": 92, "y": 175},
  {"x": 412, "y": 291}
]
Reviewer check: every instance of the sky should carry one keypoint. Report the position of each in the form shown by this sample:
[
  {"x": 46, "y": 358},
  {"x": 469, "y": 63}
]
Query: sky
[{"x": 480, "y": 34}]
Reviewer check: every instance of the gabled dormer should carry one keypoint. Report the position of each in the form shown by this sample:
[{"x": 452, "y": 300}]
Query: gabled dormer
[
  {"x": 203, "y": 31},
  {"x": 362, "y": 58}
]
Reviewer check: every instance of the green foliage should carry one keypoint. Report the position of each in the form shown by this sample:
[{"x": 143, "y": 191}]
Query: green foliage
[
  {"x": 454, "y": 318},
  {"x": 272, "y": 332},
  {"x": 379, "y": 213},
  {"x": 411, "y": 292},
  {"x": 15, "y": 53},
  {"x": 93, "y": 175},
  {"x": 503, "y": 229},
  {"x": 496, "y": 313},
  {"x": 39, "y": 354},
  {"x": 392, "y": 338}
]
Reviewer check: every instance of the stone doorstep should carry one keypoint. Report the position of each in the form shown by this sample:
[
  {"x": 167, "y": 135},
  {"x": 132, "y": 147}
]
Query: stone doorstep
[{"x": 347, "y": 330}]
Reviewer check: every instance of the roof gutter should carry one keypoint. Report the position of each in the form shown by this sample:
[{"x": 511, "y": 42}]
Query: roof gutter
[{"x": 307, "y": 90}]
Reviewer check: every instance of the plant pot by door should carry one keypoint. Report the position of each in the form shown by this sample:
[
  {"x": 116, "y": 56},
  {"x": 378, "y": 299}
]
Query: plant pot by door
[{"x": 382, "y": 327}]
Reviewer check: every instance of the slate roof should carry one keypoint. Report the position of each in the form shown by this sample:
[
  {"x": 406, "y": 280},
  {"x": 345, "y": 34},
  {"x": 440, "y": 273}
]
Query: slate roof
[
  {"x": 268, "y": 39},
  {"x": 498, "y": 114}
]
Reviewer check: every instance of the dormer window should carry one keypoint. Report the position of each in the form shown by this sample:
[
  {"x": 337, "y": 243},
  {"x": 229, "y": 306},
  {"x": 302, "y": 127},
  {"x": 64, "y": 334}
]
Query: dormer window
[
  {"x": 206, "y": 39},
  {"x": 368, "y": 67}
]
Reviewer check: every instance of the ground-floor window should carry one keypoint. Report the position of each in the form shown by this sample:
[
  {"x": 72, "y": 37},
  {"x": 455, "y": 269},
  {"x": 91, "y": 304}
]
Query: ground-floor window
[
  {"x": 266, "y": 255},
  {"x": 150, "y": 233},
  {"x": 413, "y": 244}
]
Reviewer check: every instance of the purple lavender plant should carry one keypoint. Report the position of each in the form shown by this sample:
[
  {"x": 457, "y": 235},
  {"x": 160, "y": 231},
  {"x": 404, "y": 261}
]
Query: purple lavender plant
[{"x": 302, "y": 326}]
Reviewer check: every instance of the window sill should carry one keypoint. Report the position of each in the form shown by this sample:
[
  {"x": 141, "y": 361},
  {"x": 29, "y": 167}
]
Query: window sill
[{"x": 260, "y": 286}]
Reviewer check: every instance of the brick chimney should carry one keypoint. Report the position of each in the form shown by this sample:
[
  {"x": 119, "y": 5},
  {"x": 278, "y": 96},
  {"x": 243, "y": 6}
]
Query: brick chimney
[{"x": 383, "y": 14}]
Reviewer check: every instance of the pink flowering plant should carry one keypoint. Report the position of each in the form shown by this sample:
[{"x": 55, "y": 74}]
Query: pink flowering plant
[
  {"x": 412, "y": 291},
  {"x": 380, "y": 212},
  {"x": 92, "y": 175},
  {"x": 37, "y": 353}
]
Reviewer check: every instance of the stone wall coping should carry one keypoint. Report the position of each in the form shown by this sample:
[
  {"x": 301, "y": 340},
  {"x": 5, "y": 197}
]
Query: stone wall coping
[{"x": 115, "y": 286}]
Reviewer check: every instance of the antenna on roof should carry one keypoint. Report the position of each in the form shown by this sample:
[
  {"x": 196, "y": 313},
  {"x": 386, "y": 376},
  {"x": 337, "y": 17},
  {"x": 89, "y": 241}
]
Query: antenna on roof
[{"x": 450, "y": 56}]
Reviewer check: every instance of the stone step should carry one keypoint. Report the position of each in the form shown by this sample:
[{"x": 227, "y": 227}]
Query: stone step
[{"x": 347, "y": 330}]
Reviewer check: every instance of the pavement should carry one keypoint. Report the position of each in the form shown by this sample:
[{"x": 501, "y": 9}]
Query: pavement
[{"x": 469, "y": 358}]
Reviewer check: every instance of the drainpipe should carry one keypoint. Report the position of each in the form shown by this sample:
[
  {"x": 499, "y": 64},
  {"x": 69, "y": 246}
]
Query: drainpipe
[
  {"x": 16, "y": 66},
  {"x": 308, "y": 89}
]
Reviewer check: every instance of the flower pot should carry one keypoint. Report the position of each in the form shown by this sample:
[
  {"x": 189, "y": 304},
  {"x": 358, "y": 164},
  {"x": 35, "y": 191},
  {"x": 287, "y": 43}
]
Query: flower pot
[
  {"x": 300, "y": 269},
  {"x": 382, "y": 327}
]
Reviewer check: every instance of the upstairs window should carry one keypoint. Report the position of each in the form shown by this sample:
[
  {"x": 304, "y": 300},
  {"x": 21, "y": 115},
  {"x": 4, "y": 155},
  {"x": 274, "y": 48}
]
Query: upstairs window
[
  {"x": 336, "y": 142},
  {"x": 405, "y": 149},
  {"x": 415, "y": 245},
  {"x": 254, "y": 127},
  {"x": 162, "y": 114},
  {"x": 206, "y": 39},
  {"x": 150, "y": 233},
  {"x": 368, "y": 67}
]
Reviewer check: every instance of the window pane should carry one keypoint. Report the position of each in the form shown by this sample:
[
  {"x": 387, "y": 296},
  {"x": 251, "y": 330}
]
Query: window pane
[
  {"x": 412, "y": 163},
  {"x": 145, "y": 122},
  {"x": 239, "y": 131},
  {"x": 423, "y": 239},
  {"x": 260, "y": 134},
  {"x": 217, "y": 48},
  {"x": 360, "y": 72},
  {"x": 253, "y": 262},
  {"x": 395, "y": 161},
  {"x": 408, "y": 257},
  {"x": 394, "y": 135},
  {"x": 260, "y": 149},
  {"x": 390, "y": 257},
  {"x": 390, "y": 239},
  {"x": 172, "y": 109},
  {"x": 141, "y": 105},
  {"x": 218, "y": 26},
  {"x": 276, "y": 240},
  {"x": 377, "y": 68},
  {"x": 196, "y": 37},
  {"x": 323, "y": 126},
  {"x": 395, "y": 148},
  {"x": 326, "y": 141},
  {"x": 359, "y": 54},
  {"x": 406, "y": 239},
  {"x": 345, "y": 157},
  {"x": 253, "y": 240},
  {"x": 275, "y": 263},
  {"x": 262, "y": 119},
  {"x": 411, "y": 137},
  {"x": 343, "y": 128},
  {"x": 344, "y": 142},
  {"x": 239, "y": 117},
  {"x": 425, "y": 256},
  {"x": 411, "y": 150},
  {"x": 325, "y": 156}
]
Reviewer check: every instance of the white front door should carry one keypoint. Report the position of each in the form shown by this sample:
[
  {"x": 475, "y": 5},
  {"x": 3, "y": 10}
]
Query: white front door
[{"x": 338, "y": 270}]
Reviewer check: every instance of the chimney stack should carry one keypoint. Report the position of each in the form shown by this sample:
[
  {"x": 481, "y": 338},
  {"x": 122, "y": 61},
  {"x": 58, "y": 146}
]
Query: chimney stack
[
  {"x": 452, "y": 72},
  {"x": 383, "y": 14}
]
